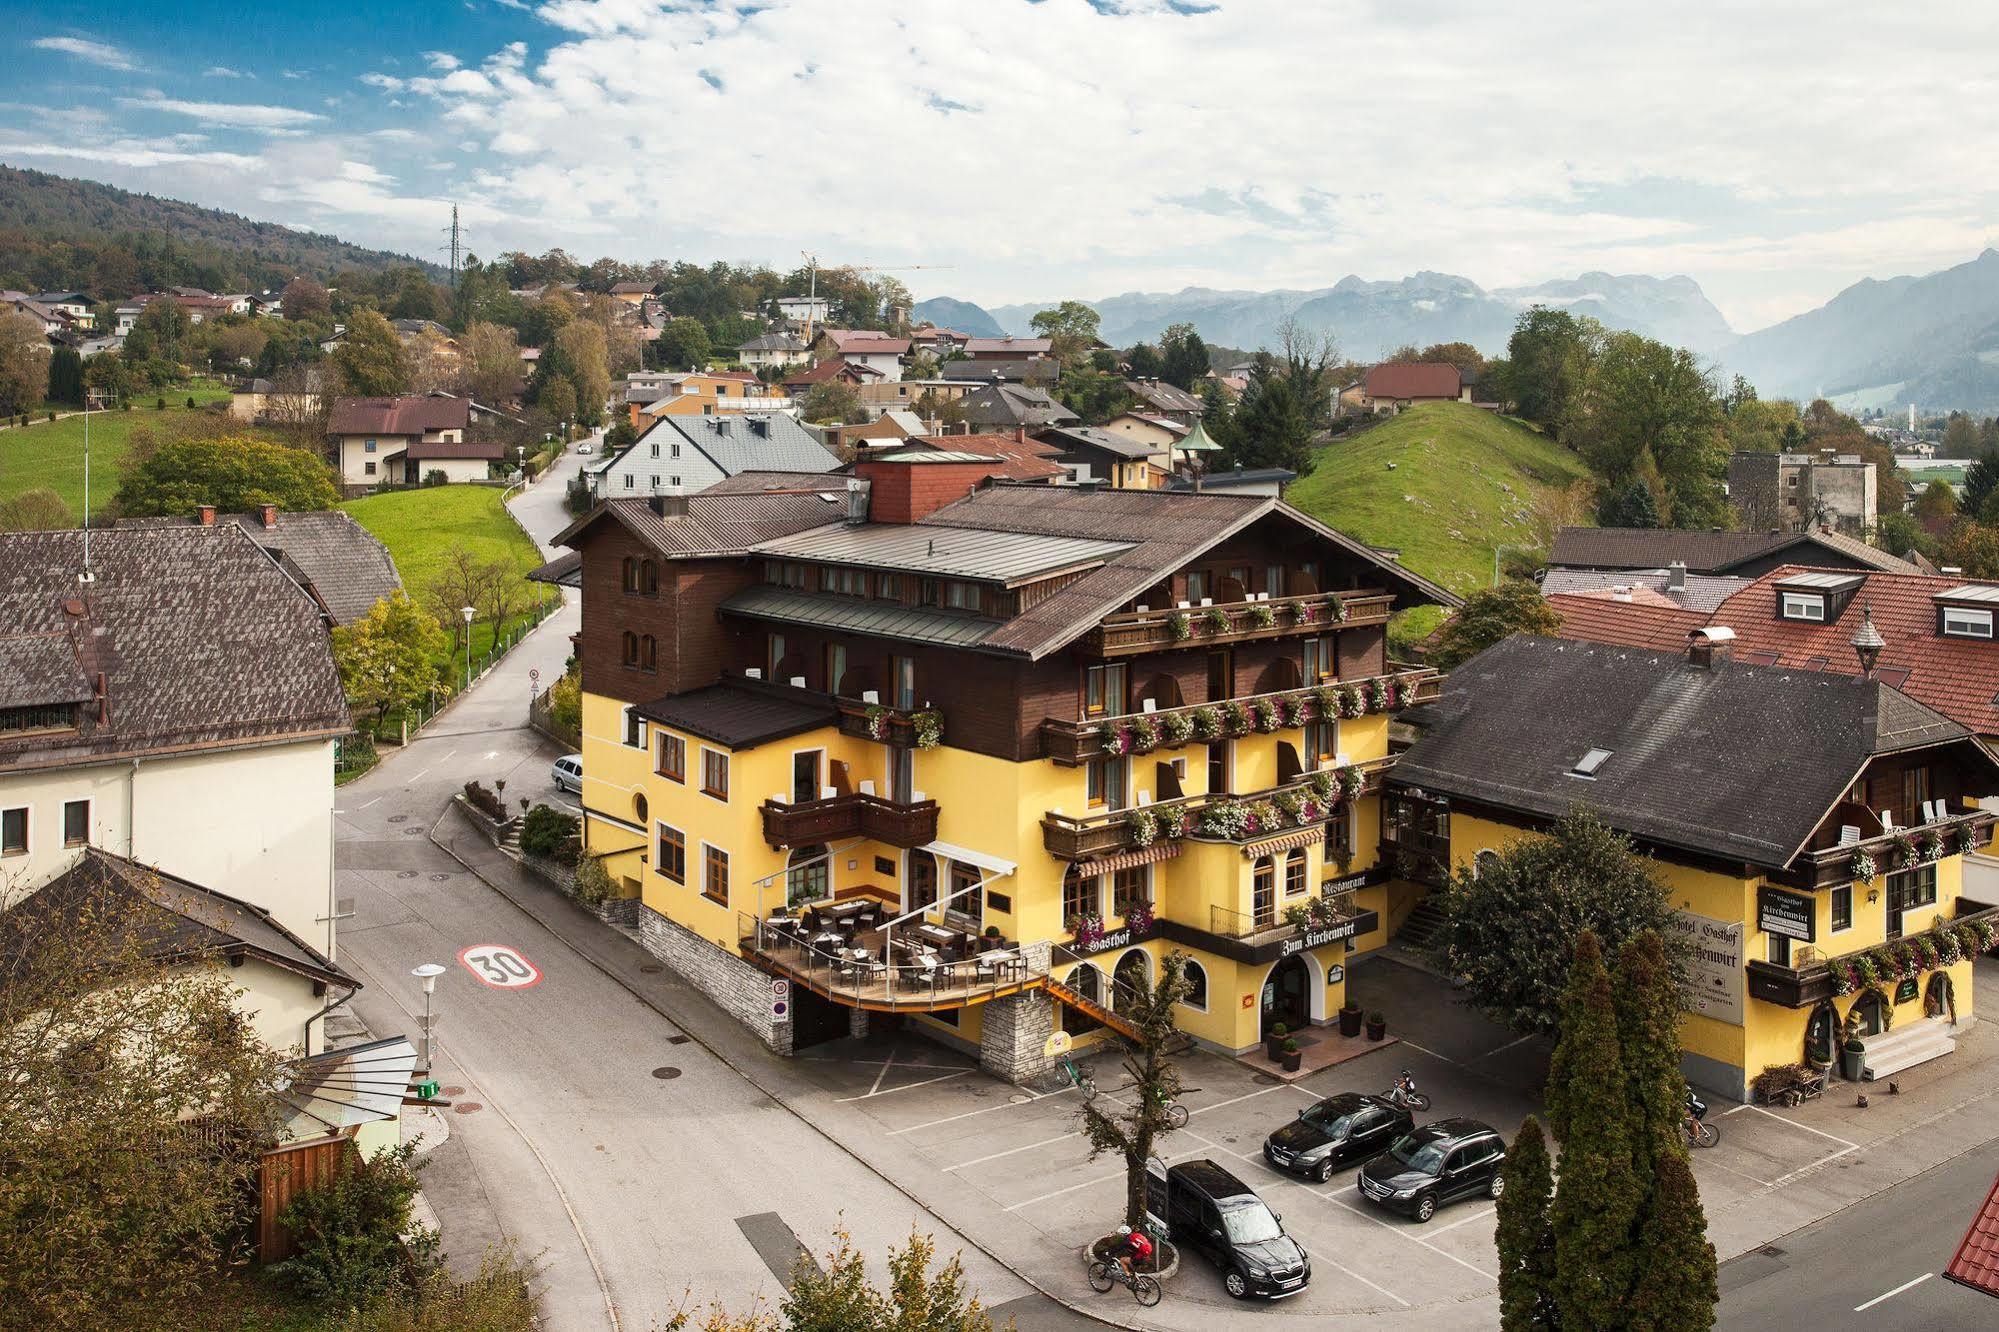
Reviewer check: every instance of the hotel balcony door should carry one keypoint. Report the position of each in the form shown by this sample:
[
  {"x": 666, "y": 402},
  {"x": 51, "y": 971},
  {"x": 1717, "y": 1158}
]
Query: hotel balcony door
[{"x": 805, "y": 776}]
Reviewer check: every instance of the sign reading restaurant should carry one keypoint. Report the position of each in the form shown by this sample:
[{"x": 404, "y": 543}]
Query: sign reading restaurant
[{"x": 1714, "y": 965}]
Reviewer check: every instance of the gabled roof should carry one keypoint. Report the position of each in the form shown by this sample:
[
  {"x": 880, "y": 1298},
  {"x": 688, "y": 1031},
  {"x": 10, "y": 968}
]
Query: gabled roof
[
  {"x": 1013, "y": 404},
  {"x": 1008, "y": 346},
  {"x": 1070, "y": 437},
  {"x": 1736, "y": 761},
  {"x": 1161, "y": 396},
  {"x": 165, "y": 917},
  {"x": 772, "y": 342},
  {"x": 1014, "y": 370},
  {"x": 1959, "y": 677},
  {"x": 832, "y": 368},
  {"x": 741, "y": 442},
  {"x": 1024, "y": 459},
  {"x": 1710, "y": 552},
  {"x": 718, "y": 522},
  {"x": 1412, "y": 379},
  {"x": 631, "y": 288},
  {"x": 410, "y": 414},
  {"x": 338, "y": 561},
  {"x": 865, "y": 342},
  {"x": 200, "y": 638},
  {"x": 1976, "y": 1262}
]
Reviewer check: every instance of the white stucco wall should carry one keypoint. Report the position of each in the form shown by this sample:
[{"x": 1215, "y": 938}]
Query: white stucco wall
[{"x": 255, "y": 823}]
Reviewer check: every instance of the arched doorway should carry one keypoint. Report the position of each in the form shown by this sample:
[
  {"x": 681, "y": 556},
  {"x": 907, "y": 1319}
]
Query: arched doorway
[
  {"x": 1087, "y": 981},
  {"x": 1287, "y": 995},
  {"x": 1131, "y": 978},
  {"x": 1869, "y": 1014},
  {"x": 1821, "y": 1029},
  {"x": 805, "y": 875},
  {"x": 1940, "y": 998}
]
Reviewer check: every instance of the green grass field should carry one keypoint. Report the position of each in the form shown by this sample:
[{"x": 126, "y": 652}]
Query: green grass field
[
  {"x": 1463, "y": 484},
  {"x": 422, "y": 529},
  {"x": 50, "y": 453}
]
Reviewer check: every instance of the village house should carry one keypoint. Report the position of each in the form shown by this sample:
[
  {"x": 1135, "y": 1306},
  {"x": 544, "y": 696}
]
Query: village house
[
  {"x": 54, "y": 321},
  {"x": 1004, "y": 406},
  {"x": 1038, "y": 371},
  {"x": 633, "y": 294},
  {"x": 1159, "y": 433},
  {"x": 684, "y": 454},
  {"x": 935, "y": 341},
  {"x": 801, "y": 311},
  {"x": 1394, "y": 385},
  {"x": 700, "y": 393},
  {"x": 1093, "y": 454},
  {"x": 1794, "y": 492},
  {"x": 979, "y": 753},
  {"x": 401, "y": 441},
  {"x": 832, "y": 370},
  {"x": 1158, "y": 398},
  {"x": 1801, "y": 821},
  {"x": 1736, "y": 554},
  {"x": 75, "y": 306},
  {"x": 877, "y": 397},
  {"x": 780, "y": 350},
  {"x": 334, "y": 560},
  {"x": 861, "y": 347},
  {"x": 174, "y": 706},
  {"x": 1007, "y": 348}
]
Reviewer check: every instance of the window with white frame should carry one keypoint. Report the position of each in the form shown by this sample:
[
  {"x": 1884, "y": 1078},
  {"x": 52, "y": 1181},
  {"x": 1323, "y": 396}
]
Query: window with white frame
[
  {"x": 1807, "y": 606},
  {"x": 1965, "y": 622}
]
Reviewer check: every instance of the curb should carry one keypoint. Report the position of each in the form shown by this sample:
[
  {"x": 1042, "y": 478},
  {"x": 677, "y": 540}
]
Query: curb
[{"x": 779, "y": 1101}]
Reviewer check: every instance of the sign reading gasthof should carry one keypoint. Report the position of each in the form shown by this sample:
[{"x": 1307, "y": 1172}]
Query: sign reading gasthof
[
  {"x": 1714, "y": 965},
  {"x": 1788, "y": 914}
]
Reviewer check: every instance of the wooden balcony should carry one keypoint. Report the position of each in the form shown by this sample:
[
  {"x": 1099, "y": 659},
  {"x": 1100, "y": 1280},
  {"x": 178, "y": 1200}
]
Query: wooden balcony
[
  {"x": 903, "y": 728},
  {"x": 1830, "y": 866},
  {"x": 861, "y": 976},
  {"x": 1071, "y": 743},
  {"x": 1237, "y": 622},
  {"x": 1103, "y": 834},
  {"x": 1801, "y": 987},
  {"x": 873, "y": 817}
]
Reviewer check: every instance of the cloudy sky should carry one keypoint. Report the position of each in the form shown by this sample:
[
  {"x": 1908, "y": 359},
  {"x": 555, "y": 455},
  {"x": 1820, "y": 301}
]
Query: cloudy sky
[{"x": 1034, "y": 149}]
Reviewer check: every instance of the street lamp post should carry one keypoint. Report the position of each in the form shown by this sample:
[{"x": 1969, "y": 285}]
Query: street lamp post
[
  {"x": 468, "y": 613},
  {"x": 427, "y": 973}
]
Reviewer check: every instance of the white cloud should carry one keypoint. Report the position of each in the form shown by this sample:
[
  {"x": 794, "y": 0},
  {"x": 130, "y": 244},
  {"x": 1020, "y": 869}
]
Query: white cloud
[
  {"x": 233, "y": 115},
  {"x": 128, "y": 153},
  {"x": 223, "y": 72},
  {"x": 442, "y": 60},
  {"x": 83, "y": 48},
  {"x": 386, "y": 82}
]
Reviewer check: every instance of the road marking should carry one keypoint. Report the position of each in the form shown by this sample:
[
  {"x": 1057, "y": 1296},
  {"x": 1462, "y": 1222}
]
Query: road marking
[
  {"x": 907, "y": 1086},
  {"x": 1504, "y": 1048},
  {"x": 884, "y": 1073},
  {"x": 952, "y": 1119},
  {"x": 1807, "y": 1169},
  {"x": 1433, "y": 1054},
  {"x": 1101, "y": 1179},
  {"x": 1475, "y": 1216},
  {"x": 1403, "y": 1231},
  {"x": 1906, "y": 1285},
  {"x": 1365, "y": 1282},
  {"x": 1013, "y": 1151},
  {"x": 1850, "y": 1146},
  {"x": 499, "y": 966},
  {"x": 426, "y": 772}
]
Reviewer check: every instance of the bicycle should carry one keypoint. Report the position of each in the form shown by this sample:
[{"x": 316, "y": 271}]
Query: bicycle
[
  {"x": 1405, "y": 1095},
  {"x": 1700, "y": 1133},
  {"x": 1082, "y": 1082},
  {"x": 1176, "y": 1113},
  {"x": 1108, "y": 1272}
]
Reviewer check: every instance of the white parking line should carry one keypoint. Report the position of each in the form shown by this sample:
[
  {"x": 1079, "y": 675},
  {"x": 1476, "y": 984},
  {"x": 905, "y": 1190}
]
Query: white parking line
[
  {"x": 907, "y": 1086},
  {"x": 1101, "y": 1179},
  {"x": 1906, "y": 1285},
  {"x": 1403, "y": 1231},
  {"x": 1807, "y": 1169},
  {"x": 1850, "y": 1146},
  {"x": 1012, "y": 1151},
  {"x": 1364, "y": 1281},
  {"x": 1504, "y": 1048},
  {"x": 986, "y": 1110},
  {"x": 1475, "y": 1216}
]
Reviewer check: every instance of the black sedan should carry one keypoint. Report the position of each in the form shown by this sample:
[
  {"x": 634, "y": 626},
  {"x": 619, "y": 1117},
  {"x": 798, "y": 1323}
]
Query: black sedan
[
  {"x": 1442, "y": 1162},
  {"x": 1338, "y": 1131}
]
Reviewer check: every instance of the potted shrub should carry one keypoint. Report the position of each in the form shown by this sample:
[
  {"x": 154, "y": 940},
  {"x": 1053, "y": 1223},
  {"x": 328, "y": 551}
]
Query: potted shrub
[
  {"x": 1273, "y": 1043},
  {"x": 1849, "y": 1059},
  {"x": 1377, "y": 1026},
  {"x": 1293, "y": 1057},
  {"x": 1349, "y": 1019},
  {"x": 990, "y": 939}
]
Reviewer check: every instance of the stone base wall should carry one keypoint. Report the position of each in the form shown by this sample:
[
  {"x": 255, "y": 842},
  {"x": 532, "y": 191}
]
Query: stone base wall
[
  {"x": 1014, "y": 1033},
  {"x": 620, "y": 913},
  {"x": 857, "y": 1023},
  {"x": 742, "y": 990}
]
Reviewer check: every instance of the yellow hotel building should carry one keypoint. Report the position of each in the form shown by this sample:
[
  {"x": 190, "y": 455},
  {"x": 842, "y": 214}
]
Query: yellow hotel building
[
  {"x": 923, "y": 746},
  {"x": 1810, "y": 829}
]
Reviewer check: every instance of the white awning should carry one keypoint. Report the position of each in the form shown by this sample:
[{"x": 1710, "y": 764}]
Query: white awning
[
  {"x": 345, "y": 1088},
  {"x": 965, "y": 856}
]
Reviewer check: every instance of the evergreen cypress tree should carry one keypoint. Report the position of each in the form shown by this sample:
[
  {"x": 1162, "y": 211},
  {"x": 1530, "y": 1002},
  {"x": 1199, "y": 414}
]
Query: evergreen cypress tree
[
  {"x": 1596, "y": 1202},
  {"x": 1526, "y": 1239},
  {"x": 1648, "y": 1028},
  {"x": 1676, "y": 1290}
]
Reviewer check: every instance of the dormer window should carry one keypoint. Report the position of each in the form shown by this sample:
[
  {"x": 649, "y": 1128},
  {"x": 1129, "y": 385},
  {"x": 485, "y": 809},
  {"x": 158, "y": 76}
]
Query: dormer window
[
  {"x": 1965, "y": 622},
  {"x": 1587, "y": 766},
  {"x": 38, "y": 717},
  {"x": 1967, "y": 611},
  {"x": 1809, "y": 606}
]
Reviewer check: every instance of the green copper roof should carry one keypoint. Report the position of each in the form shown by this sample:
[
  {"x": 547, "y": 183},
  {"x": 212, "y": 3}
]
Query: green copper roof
[{"x": 1196, "y": 441}]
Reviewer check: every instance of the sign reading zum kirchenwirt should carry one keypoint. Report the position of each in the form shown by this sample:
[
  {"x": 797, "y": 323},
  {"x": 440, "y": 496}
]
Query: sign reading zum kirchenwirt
[
  {"x": 1714, "y": 965},
  {"x": 1779, "y": 912}
]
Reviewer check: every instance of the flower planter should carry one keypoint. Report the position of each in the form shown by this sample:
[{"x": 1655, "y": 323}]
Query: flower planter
[
  {"x": 1293, "y": 1059},
  {"x": 1850, "y": 1059},
  {"x": 1350, "y": 1022},
  {"x": 1377, "y": 1028}
]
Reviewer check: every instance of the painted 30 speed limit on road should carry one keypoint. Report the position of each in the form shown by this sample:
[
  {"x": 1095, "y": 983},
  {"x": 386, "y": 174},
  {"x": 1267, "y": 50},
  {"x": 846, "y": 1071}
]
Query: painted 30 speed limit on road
[{"x": 499, "y": 966}]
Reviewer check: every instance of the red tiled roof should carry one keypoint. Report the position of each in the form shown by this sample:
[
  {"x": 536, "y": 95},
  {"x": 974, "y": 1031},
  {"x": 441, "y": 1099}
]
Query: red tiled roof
[
  {"x": 1007, "y": 346},
  {"x": 1959, "y": 677},
  {"x": 864, "y": 341},
  {"x": 832, "y": 368},
  {"x": 490, "y": 450},
  {"x": 1025, "y": 459},
  {"x": 409, "y": 415},
  {"x": 1412, "y": 379},
  {"x": 1976, "y": 1262}
]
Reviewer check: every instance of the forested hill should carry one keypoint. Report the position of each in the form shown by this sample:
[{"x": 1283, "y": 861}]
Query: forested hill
[{"x": 58, "y": 233}]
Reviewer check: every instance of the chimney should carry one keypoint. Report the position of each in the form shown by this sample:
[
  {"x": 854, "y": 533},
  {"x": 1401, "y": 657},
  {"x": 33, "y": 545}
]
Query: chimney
[
  {"x": 857, "y": 501},
  {"x": 1020, "y": 434},
  {"x": 1620, "y": 592},
  {"x": 1676, "y": 577},
  {"x": 270, "y": 516},
  {"x": 669, "y": 503},
  {"x": 206, "y": 515},
  {"x": 1710, "y": 647}
]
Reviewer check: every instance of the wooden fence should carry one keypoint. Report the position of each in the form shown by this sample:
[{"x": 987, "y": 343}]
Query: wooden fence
[{"x": 288, "y": 1171}]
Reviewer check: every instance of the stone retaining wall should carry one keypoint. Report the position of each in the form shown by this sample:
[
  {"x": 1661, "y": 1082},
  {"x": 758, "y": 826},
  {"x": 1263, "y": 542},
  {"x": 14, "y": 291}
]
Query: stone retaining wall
[{"x": 742, "y": 990}]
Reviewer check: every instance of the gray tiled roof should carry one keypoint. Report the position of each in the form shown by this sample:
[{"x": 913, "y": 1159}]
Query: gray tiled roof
[
  {"x": 741, "y": 716},
  {"x": 719, "y": 522},
  {"x": 1002, "y": 557},
  {"x": 1709, "y": 552},
  {"x": 338, "y": 561},
  {"x": 1013, "y": 404},
  {"x": 748, "y": 442},
  {"x": 881, "y": 619},
  {"x": 201, "y": 639},
  {"x": 1701, "y": 592},
  {"x": 1741, "y": 762},
  {"x": 41, "y": 668},
  {"x": 165, "y": 917},
  {"x": 1094, "y": 437}
]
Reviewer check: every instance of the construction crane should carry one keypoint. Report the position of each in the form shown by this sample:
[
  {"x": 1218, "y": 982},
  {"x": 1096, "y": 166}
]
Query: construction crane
[{"x": 812, "y": 281}]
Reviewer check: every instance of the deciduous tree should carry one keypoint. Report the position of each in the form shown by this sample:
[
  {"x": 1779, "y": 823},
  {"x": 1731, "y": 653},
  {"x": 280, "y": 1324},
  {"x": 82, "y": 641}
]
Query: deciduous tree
[
  {"x": 24, "y": 362},
  {"x": 495, "y": 375},
  {"x": 304, "y": 300},
  {"x": 834, "y": 404},
  {"x": 37, "y": 510},
  {"x": 1491, "y": 615},
  {"x": 583, "y": 346},
  {"x": 390, "y": 658},
  {"x": 235, "y": 473},
  {"x": 1134, "y": 1131},
  {"x": 1071, "y": 329},
  {"x": 369, "y": 358},
  {"x": 681, "y": 345}
]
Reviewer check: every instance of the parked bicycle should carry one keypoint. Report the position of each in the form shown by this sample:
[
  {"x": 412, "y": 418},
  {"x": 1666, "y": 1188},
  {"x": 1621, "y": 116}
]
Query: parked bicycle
[
  {"x": 1700, "y": 1133},
  {"x": 1108, "y": 1272},
  {"x": 1081, "y": 1081},
  {"x": 1404, "y": 1094}
]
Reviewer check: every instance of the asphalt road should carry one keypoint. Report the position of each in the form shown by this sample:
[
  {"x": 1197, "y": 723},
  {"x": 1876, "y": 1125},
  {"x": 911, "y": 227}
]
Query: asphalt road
[
  {"x": 640, "y": 1171},
  {"x": 1872, "y": 1265}
]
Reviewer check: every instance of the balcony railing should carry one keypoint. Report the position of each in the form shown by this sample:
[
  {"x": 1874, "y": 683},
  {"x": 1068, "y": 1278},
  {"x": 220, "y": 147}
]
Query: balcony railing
[
  {"x": 1220, "y": 817},
  {"x": 1072, "y": 742},
  {"x": 1240, "y": 936},
  {"x": 1828, "y": 867},
  {"x": 873, "y": 817},
  {"x": 1237, "y": 621},
  {"x": 868, "y": 972},
  {"x": 905, "y": 728},
  {"x": 1801, "y": 987}
]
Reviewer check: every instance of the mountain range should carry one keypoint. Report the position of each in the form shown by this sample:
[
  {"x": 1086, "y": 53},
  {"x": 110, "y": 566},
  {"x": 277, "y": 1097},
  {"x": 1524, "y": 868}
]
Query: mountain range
[{"x": 1932, "y": 340}]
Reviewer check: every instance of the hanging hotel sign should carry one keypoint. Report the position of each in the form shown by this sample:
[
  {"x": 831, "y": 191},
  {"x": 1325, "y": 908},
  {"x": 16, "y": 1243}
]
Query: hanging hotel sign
[
  {"x": 1714, "y": 965},
  {"x": 1779, "y": 912}
]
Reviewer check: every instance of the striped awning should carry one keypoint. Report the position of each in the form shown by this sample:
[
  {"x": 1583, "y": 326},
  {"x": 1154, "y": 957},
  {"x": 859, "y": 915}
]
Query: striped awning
[
  {"x": 1124, "y": 860},
  {"x": 1285, "y": 842}
]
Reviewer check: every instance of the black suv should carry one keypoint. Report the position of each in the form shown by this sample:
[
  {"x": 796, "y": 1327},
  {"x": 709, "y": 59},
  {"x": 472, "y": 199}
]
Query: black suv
[
  {"x": 1439, "y": 1163},
  {"x": 1210, "y": 1210},
  {"x": 1335, "y": 1132}
]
